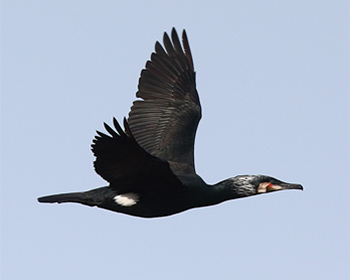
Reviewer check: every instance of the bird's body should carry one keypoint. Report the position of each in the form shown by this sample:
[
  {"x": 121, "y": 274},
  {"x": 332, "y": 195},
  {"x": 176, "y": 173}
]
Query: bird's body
[{"x": 150, "y": 164}]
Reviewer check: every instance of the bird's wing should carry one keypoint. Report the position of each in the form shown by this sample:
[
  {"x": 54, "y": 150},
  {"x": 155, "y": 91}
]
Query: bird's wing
[
  {"x": 165, "y": 121},
  {"x": 126, "y": 165}
]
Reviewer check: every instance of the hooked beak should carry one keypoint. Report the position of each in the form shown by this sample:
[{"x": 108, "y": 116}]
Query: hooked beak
[{"x": 270, "y": 187}]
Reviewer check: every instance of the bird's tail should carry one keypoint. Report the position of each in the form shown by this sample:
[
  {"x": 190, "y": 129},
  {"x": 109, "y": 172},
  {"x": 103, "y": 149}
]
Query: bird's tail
[
  {"x": 91, "y": 198},
  {"x": 79, "y": 197}
]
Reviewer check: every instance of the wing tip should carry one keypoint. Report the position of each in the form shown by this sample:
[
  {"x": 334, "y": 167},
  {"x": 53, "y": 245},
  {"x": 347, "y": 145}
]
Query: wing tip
[
  {"x": 187, "y": 49},
  {"x": 127, "y": 129}
]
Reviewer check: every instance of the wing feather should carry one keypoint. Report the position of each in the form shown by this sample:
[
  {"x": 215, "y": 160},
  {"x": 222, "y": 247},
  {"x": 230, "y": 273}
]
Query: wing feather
[
  {"x": 165, "y": 118},
  {"x": 127, "y": 166}
]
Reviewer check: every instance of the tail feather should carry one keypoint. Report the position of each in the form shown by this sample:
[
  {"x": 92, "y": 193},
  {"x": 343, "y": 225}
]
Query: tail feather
[
  {"x": 79, "y": 197},
  {"x": 93, "y": 197}
]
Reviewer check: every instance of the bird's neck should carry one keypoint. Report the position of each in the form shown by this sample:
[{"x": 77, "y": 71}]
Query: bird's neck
[
  {"x": 202, "y": 194},
  {"x": 228, "y": 189},
  {"x": 217, "y": 193}
]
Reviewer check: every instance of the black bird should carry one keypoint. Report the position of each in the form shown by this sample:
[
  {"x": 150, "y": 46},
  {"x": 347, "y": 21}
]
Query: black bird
[{"x": 150, "y": 164}]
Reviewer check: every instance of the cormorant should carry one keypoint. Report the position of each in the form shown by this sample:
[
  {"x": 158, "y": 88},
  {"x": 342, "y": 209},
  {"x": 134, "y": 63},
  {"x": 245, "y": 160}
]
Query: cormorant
[{"x": 150, "y": 164}]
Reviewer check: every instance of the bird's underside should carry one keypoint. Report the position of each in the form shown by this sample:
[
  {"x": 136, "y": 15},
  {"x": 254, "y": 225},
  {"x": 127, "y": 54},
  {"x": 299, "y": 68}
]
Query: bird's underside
[{"x": 149, "y": 164}]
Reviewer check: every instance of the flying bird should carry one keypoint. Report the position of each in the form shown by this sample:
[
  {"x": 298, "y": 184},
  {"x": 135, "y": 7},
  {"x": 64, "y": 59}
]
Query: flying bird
[{"x": 149, "y": 164}]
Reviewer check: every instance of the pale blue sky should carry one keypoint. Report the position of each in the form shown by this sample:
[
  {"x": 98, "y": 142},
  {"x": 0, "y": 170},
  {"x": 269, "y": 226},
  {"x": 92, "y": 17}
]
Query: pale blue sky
[{"x": 273, "y": 79}]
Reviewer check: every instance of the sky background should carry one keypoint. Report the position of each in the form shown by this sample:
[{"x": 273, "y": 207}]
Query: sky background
[{"x": 273, "y": 80}]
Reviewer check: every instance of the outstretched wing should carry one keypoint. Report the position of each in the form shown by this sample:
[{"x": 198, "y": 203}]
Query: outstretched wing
[
  {"x": 126, "y": 165},
  {"x": 165, "y": 121}
]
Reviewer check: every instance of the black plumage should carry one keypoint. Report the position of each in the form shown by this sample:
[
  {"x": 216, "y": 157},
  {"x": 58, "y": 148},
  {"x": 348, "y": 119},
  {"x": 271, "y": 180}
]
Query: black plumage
[{"x": 150, "y": 164}]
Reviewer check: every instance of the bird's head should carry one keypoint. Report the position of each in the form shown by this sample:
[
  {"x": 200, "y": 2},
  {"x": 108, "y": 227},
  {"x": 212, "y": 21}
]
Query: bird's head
[{"x": 247, "y": 185}]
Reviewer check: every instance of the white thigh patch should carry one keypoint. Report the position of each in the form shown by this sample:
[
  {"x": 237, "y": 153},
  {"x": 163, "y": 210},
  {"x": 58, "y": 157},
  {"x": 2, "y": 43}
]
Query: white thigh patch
[{"x": 127, "y": 199}]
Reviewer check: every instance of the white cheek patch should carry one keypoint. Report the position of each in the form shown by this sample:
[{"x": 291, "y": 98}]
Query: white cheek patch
[{"x": 127, "y": 199}]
